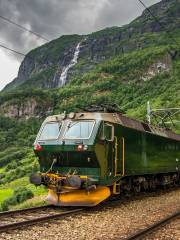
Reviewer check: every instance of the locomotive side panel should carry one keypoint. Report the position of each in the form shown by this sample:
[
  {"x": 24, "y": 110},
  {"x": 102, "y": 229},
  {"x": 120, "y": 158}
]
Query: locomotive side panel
[{"x": 146, "y": 153}]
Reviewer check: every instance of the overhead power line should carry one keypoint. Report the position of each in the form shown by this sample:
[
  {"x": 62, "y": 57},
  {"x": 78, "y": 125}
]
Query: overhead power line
[
  {"x": 157, "y": 20},
  {"x": 12, "y": 50},
  {"x": 44, "y": 38},
  {"x": 24, "y": 28}
]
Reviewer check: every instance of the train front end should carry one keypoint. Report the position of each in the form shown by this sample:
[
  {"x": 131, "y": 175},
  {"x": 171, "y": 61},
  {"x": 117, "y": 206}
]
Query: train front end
[{"x": 67, "y": 149}]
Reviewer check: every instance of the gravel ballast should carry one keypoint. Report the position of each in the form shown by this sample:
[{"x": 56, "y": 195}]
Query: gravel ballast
[
  {"x": 170, "y": 231},
  {"x": 111, "y": 222}
]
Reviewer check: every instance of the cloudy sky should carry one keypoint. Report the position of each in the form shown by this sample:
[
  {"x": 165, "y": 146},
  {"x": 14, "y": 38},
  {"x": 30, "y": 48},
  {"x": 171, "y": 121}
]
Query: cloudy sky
[{"x": 51, "y": 19}]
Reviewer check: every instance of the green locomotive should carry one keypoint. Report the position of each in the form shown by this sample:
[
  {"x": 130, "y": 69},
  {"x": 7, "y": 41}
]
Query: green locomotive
[{"x": 86, "y": 157}]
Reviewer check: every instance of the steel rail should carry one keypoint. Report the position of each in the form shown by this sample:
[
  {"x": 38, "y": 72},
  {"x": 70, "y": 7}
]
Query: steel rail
[
  {"x": 20, "y": 224},
  {"x": 6, "y": 213},
  {"x": 142, "y": 233}
]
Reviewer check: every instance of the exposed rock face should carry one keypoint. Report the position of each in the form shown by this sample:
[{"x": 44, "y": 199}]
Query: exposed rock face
[
  {"x": 27, "y": 109},
  {"x": 160, "y": 66},
  {"x": 51, "y": 57}
]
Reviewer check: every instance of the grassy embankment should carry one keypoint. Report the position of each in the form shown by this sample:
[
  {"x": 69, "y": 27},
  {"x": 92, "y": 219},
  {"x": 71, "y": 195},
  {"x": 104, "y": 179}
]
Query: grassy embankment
[{"x": 17, "y": 162}]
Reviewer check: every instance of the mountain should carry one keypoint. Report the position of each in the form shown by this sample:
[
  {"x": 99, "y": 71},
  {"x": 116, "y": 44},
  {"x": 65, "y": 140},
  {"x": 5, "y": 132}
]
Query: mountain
[
  {"x": 127, "y": 65},
  {"x": 43, "y": 66}
]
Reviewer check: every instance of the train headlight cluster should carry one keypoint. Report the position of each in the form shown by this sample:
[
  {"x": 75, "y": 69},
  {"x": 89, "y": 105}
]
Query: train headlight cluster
[
  {"x": 85, "y": 147},
  {"x": 82, "y": 147},
  {"x": 38, "y": 148}
]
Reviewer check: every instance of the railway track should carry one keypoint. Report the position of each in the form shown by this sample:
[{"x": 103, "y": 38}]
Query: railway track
[
  {"x": 31, "y": 216},
  {"x": 25, "y": 217},
  {"x": 145, "y": 232}
]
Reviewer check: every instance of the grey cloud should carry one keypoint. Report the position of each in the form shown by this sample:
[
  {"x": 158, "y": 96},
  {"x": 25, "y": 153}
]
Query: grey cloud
[
  {"x": 53, "y": 18},
  {"x": 120, "y": 12}
]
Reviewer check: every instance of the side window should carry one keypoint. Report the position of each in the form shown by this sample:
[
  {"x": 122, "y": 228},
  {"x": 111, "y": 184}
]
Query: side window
[{"x": 107, "y": 132}]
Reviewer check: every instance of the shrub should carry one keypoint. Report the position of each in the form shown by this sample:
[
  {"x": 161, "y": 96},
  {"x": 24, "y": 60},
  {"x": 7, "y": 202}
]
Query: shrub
[
  {"x": 11, "y": 165},
  {"x": 17, "y": 156},
  {"x": 20, "y": 195},
  {"x": 4, "y": 206},
  {"x": 10, "y": 201}
]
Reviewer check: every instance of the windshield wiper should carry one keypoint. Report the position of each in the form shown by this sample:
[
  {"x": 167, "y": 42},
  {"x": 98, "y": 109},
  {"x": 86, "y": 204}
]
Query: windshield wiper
[
  {"x": 71, "y": 124},
  {"x": 60, "y": 125}
]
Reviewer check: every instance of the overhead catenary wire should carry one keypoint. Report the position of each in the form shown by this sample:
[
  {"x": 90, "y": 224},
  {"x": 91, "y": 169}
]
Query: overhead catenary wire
[
  {"x": 24, "y": 28},
  {"x": 160, "y": 24},
  {"x": 42, "y": 37},
  {"x": 12, "y": 50}
]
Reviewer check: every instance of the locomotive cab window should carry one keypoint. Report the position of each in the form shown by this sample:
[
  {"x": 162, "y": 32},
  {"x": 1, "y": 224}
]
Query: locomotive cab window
[
  {"x": 79, "y": 130},
  {"x": 107, "y": 132},
  {"x": 51, "y": 130}
]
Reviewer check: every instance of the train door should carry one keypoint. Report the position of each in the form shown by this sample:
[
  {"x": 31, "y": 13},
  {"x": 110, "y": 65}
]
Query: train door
[
  {"x": 108, "y": 137},
  {"x": 114, "y": 146}
]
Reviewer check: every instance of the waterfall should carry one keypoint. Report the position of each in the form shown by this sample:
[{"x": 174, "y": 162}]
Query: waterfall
[{"x": 63, "y": 77}]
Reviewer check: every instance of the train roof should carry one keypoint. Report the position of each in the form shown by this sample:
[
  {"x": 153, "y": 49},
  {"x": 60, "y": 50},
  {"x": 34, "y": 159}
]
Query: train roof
[
  {"x": 144, "y": 127},
  {"x": 118, "y": 118}
]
